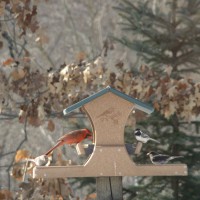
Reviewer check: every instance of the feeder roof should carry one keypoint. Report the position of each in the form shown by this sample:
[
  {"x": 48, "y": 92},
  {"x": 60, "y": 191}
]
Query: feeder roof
[{"x": 138, "y": 104}]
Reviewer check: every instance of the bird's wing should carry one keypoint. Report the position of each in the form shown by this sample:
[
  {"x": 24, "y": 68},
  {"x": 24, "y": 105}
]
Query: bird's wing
[
  {"x": 73, "y": 137},
  {"x": 160, "y": 158},
  {"x": 144, "y": 135},
  {"x": 68, "y": 136},
  {"x": 63, "y": 137}
]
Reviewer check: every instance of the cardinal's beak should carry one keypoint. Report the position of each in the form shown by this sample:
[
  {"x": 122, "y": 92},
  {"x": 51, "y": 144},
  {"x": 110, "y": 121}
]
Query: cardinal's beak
[{"x": 89, "y": 137}]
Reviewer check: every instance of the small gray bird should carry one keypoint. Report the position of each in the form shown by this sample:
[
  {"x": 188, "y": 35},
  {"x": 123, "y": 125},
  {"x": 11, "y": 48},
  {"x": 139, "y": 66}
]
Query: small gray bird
[
  {"x": 158, "y": 159},
  {"x": 40, "y": 160},
  {"x": 143, "y": 137}
]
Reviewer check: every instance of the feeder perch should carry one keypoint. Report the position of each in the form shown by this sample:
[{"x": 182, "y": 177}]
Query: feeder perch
[
  {"x": 87, "y": 149},
  {"x": 108, "y": 111}
]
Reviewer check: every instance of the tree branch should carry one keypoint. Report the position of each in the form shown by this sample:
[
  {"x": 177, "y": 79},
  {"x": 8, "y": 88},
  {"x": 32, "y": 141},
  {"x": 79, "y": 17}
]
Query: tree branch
[{"x": 19, "y": 146}]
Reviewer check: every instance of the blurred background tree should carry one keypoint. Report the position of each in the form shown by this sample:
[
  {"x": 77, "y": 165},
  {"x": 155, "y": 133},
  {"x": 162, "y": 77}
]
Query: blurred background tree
[
  {"x": 55, "y": 54},
  {"x": 169, "y": 36}
]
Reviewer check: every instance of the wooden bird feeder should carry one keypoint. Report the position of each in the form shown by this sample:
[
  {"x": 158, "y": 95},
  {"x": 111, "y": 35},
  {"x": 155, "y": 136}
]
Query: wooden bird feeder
[{"x": 108, "y": 111}]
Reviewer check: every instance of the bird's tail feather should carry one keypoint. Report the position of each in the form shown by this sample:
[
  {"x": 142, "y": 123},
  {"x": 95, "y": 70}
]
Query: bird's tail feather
[
  {"x": 54, "y": 147},
  {"x": 30, "y": 160},
  {"x": 174, "y": 157},
  {"x": 154, "y": 140}
]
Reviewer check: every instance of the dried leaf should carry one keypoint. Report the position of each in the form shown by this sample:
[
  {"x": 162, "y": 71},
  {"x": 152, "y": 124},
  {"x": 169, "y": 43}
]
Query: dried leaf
[
  {"x": 119, "y": 65},
  {"x": 9, "y": 61},
  {"x": 172, "y": 91},
  {"x": 17, "y": 172},
  {"x": 80, "y": 56},
  {"x": 156, "y": 106},
  {"x": 42, "y": 38},
  {"x": 26, "y": 59},
  {"x": 41, "y": 112},
  {"x": 170, "y": 109},
  {"x": 21, "y": 155},
  {"x": 118, "y": 84},
  {"x": 1, "y": 44},
  {"x": 168, "y": 70},
  {"x": 26, "y": 17},
  {"x": 91, "y": 196},
  {"x": 182, "y": 84},
  {"x": 51, "y": 125},
  {"x": 138, "y": 87},
  {"x": 197, "y": 93},
  {"x": 34, "y": 121},
  {"x": 5, "y": 194},
  {"x": 144, "y": 69},
  {"x": 2, "y": 8},
  {"x": 18, "y": 74},
  {"x": 87, "y": 75},
  {"x": 22, "y": 116}
]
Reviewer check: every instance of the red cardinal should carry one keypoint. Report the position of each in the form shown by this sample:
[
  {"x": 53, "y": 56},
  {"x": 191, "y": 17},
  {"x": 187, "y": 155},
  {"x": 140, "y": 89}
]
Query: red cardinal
[{"x": 72, "y": 137}]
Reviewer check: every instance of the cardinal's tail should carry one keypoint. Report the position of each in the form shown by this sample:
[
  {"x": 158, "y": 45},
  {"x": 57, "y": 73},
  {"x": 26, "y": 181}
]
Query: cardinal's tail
[
  {"x": 154, "y": 140},
  {"x": 54, "y": 147}
]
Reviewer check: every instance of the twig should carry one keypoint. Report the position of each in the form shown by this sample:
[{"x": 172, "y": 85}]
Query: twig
[
  {"x": 5, "y": 154},
  {"x": 59, "y": 37},
  {"x": 14, "y": 36},
  {"x": 5, "y": 20},
  {"x": 19, "y": 146},
  {"x": 7, "y": 116},
  {"x": 15, "y": 164},
  {"x": 4, "y": 166},
  {"x": 47, "y": 56},
  {"x": 22, "y": 48},
  {"x": 25, "y": 169},
  {"x": 78, "y": 43}
]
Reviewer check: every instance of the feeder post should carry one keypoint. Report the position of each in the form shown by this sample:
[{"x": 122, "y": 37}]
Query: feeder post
[
  {"x": 109, "y": 188},
  {"x": 138, "y": 148}
]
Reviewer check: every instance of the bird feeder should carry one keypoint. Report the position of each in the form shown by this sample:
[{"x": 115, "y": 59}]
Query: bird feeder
[{"x": 108, "y": 111}]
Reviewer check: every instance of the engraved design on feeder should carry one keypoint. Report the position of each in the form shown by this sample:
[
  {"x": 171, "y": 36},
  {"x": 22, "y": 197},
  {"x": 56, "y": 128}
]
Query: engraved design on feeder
[{"x": 110, "y": 114}]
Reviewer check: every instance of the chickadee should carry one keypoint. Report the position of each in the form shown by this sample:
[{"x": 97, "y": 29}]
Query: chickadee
[
  {"x": 158, "y": 159},
  {"x": 143, "y": 137}
]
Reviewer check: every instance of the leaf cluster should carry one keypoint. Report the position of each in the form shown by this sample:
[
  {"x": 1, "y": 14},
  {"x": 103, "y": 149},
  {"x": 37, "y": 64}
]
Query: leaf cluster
[{"x": 54, "y": 91}]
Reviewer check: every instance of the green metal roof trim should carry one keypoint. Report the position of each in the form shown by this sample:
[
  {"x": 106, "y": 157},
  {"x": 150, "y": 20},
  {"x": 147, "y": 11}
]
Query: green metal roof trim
[{"x": 138, "y": 104}]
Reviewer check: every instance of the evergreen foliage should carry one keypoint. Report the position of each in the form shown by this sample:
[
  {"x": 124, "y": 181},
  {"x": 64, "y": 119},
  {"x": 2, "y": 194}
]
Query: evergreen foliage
[{"x": 169, "y": 36}]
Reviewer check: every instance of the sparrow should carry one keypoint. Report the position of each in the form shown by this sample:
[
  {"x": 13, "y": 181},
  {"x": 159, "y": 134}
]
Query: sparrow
[
  {"x": 143, "y": 137},
  {"x": 158, "y": 159}
]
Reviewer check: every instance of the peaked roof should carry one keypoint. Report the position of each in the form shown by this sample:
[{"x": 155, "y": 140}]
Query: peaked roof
[{"x": 138, "y": 104}]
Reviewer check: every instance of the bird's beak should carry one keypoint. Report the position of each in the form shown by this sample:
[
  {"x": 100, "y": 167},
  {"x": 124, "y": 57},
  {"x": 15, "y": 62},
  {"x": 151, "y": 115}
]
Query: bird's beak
[
  {"x": 148, "y": 154},
  {"x": 89, "y": 137}
]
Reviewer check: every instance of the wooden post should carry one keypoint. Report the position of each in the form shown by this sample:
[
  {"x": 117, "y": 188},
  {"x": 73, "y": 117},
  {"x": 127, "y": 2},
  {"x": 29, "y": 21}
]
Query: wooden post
[
  {"x": 138, "y": 148},
  {"x": 109, "y": 188},
  {"x": 80, "y": 149}
]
